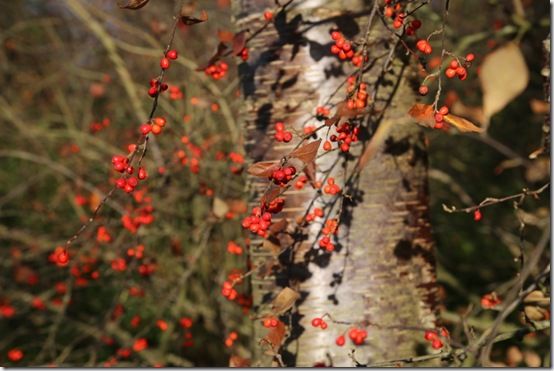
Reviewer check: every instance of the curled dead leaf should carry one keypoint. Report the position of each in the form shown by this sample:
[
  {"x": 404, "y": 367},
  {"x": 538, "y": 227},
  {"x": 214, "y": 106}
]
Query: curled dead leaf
[
  {"x": 423, "y": 114},
  {"x": 462, "y": 124},
  {"x": 132, "y": 4},
  {"x": 262, "y": 169},
  {"x": 188, "y": 19},
  {"x": 239, "y": 41},
  {"x": 284, "y": 300},
  {"x": 307, "y": 153}
]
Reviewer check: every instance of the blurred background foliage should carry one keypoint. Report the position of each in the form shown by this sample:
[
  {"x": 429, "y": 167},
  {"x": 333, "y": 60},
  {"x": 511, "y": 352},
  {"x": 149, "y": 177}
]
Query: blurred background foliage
[{"x": 75, "y": 75}]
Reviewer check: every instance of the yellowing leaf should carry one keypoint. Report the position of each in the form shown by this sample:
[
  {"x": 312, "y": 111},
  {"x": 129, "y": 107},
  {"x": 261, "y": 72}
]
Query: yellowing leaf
[
  {"x": 462, "y": 124},
  {"x": 503, "y": 76},
  {"x": 284, "y": 300}
]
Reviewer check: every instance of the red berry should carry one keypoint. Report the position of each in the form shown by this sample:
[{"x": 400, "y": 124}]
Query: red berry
[
  {"x": 477, "y": 215},
  {"x": 443, "y": 110},
  {"x": 340, "y": 341},
  {"x": 436, "y": 344},
  {"x": 423, "y": 89},
  {"x": 450, "y": 73},
  {"x": 172, "y": 54},
  {"x": 316, "y": 322},
  {"x": 268, "y": 16},
  {"x": 470, "y": 57},
  {"x": 164, "y": 63},
  {"x": 145, "y": 129}
]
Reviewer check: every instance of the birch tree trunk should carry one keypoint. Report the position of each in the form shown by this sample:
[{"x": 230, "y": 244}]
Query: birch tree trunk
[{"x": 382, "y": 273}]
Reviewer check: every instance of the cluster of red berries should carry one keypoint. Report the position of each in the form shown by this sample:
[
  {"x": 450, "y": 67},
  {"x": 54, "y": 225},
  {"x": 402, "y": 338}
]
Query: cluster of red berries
[
  {"x": 136, "y": 252},
  {"x": 454, "y": 69},
  {"x": 276, "y": 205},
  {"x": 155, "y": 126},
  {"x": 434, "y": 338},
  {"x": 359, "y": 99},
  {"x": 217, "y": 70},
  {"x": 234, "y": 248},
  {"x": 424, "y": 46},
  {"x": 59, "y": 256},
  {"x": 231, "y": 339},
  {"x": 175, "y": 93},
  {"x": 98, "y": 126},
  {"x": 330, "y": 228},
  {"x": 282, "y": 175},
  {"x": 147, "y": 269},
  {"x": 317, "y": 213},
  {"x": 257, "y": 222},
  {"x": 144, "y": 217},
  {"x": 102, "y": 235},
  {"x": 282, "y": 135},
  {"x": 395, "y": 12},
  {"x": 413, "y": 27},
  {"x": 156, "y": 87},
  {"x": 331, "y": 188},
  {"x": 319, "y": 322},
  {"x": 439, "y": 117},
  {"x": 489, "y": 301},
  {"x": 346, "y": 135},
  {"x": 300, "y": 182},
  {"x": 322, "y": 112},
  {"x": 165, "y": 62},
  {"x": 325, "y": 242},
  {"x": 270, "y": 322},
  {"x": 228, "y": 291},
  {"x": 357, "y": 336},
  {"x": 343, "y": 48}
]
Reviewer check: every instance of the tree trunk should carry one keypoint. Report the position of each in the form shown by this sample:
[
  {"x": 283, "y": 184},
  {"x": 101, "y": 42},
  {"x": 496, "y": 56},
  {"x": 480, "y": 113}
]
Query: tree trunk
[{"x": 381, "y": 275}]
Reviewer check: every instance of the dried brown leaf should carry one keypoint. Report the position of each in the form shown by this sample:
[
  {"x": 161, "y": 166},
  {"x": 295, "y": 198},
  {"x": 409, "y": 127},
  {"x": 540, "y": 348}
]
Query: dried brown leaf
[
  {"x": 276, "y": 335},
  {"x": 132, "y": 4},
  {"x": 189, "y": 19},
  {"x": 307, "y": 153},
  {"x": 270, "y": 195},
  {"x": 239, "y": 41},
  {"x": 423, "y": 114},
  {"x": 503, "y": 76},
  {"x": 462, "y": 124},
  {"x": 262, "y": 169},
  {"x": 221, "y": 47},
  {"x": 284, "y": 300}
]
